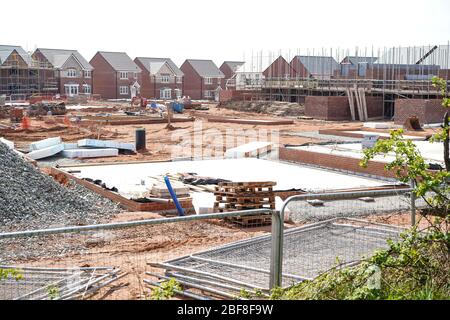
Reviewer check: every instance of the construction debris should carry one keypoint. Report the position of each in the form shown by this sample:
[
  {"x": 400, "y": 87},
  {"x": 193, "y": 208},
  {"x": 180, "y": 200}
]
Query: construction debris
[
  {"x": 251, "y": 121},
  {"x": 46, "y": 152},
  {"x": 30, "y": 199},
  {"x": 252, "y": 149},
  {"x": 66, "y": 284},
  {"x": 281, "y": 109},
  {"x": 90, "y": 153},
  {"x": 45, "y": 143},
  {"x": 412, "y": 124},
  {"x": 91, "y": 143}
]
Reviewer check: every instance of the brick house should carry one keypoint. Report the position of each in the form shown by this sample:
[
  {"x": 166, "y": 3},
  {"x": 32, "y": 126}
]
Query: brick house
[
  {"x": 317, "y": 67},
  {"x": 353, "y": 67},
  {"x": 115, "y": 75},
  {"x": 21, "y": 76},
  {"x": 202, "y": 79},
  {"x": 73, "y": 72},
  {"x": 229, "y": 69},
  {"x": 279, "y": 69},
  {"x": 161, "y": 78}
]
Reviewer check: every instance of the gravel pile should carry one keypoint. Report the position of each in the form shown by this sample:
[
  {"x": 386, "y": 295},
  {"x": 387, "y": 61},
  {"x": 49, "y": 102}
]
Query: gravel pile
[
  {"x": 281, "y": 109},
  {"x": 30, "y": 199}
]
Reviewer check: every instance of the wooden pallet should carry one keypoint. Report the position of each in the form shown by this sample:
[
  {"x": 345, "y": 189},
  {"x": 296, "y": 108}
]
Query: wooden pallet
[
  {"x": 240, "y": 196},
  {"x": 252, "y": 221}
]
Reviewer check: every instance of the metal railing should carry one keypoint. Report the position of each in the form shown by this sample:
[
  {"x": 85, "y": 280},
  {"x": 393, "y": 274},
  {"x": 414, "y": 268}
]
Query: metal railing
[{"x": 274, "y": 242}]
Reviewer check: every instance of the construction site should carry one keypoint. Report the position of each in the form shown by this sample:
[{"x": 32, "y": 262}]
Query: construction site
[{"x": 259, "y": 187}]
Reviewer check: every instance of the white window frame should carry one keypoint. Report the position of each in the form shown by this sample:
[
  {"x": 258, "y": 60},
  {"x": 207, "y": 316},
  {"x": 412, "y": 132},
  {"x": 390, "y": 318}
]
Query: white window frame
[
  {"x": 71, "y": 73},
  {"x": 208, "y": 80},
  {"x": 165, "y": 93},
  {"x": 123, "y": 75},
  {"x": 123, "y": 90},
  {"x": 71, "y": 90},
  {"x": 87, "y": 74},
  {"x": 179, "y": 80},
  {"x": 209, "y": 94},
  {"x": 87, "y": 89},
  {"x": 165, "y": 78}
]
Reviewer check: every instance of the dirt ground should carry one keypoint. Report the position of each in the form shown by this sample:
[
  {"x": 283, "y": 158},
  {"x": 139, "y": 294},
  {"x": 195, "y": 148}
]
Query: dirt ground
[
  {"x": 160, "y": 140},
  {"x": 131, "y": 249}
]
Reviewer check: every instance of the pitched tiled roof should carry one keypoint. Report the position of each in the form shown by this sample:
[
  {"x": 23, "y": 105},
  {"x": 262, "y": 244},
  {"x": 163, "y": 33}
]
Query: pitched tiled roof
[
  {"x": 120, "y": 61},
  {"x": 6, "y": 50},
  {"x": 154, "y": 64},
  {"x": 206, "y": 68},
  {"x": 319, "y": 65},
  {"x": 234, "y": 65},
  {"x": 356, "y": 60},
  {"x": 58, "y": 57}
]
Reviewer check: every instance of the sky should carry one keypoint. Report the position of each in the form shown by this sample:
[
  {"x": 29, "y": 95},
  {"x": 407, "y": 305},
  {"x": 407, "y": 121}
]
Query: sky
[{"x": 222, "y": 30}]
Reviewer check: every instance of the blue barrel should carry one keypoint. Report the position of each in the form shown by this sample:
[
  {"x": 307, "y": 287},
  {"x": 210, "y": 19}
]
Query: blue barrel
[{"x": 177, "y": 107}]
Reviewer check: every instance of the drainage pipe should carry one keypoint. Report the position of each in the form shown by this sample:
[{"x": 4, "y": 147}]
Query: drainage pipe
[{"x": 174, "y": 196}]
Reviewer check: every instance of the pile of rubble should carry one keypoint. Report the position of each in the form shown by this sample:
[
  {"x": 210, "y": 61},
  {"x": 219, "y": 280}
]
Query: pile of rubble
[
  {"x": 281, "y": 109},
  {"x": 30, "y": 199}
]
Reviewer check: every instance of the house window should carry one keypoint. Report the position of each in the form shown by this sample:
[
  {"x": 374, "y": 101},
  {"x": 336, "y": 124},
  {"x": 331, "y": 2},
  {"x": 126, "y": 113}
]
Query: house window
[
  {"x": 87, "y": 73},
  {"x": 123, "y": 75},
  {"x": 123, "y": 90},
  {"x": 209, "y": 94},
  {"x": 179, "y": 80},
  {"x": 87, "y": 89},
  {"x": 71, "y": 89},
  {"x": 165, "y": 78},
  {"x": 135, "y": 75},
  {"x": 178, "y": 93},
  {"x": 362, "y": 69},
  {"x": 165, "y": 93},
  {"x": 208, "y": 81},
  {"x": 71, "y": 73}
]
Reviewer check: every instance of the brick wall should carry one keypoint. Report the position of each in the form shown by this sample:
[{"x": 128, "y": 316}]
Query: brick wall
[
  {"x": 428, "y": 111},
  {"x": 104, "y": 78},
  {"x": 338, "y": 109},
  {"x": 334, "y": 162}
]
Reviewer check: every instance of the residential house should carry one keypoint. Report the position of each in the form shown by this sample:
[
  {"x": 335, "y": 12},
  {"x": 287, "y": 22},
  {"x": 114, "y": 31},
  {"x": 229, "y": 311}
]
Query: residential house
[
  {"x": 354, "y": 66},
  {"x": 21, "y": 76},
  {"x": 229, "y": 69},
  {"x": 316, "y": 67},
  {"x": 73, "y": 72},
  {"x": 115, "y": 75},
  {"x": 279, "y": 69},
  {"x": 250, "y": 76},
  {"x": 202, "y": 79},
  {"x": 161, "y": 78}
]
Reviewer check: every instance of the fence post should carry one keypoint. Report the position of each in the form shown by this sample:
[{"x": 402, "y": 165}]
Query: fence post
[
  {"x": 276, "y": 256},
  {"x": 413, "y": 203}
]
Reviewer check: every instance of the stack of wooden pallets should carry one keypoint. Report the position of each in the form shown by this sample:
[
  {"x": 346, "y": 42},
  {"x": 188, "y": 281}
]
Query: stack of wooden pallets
[{"x": 239, "y": 196}]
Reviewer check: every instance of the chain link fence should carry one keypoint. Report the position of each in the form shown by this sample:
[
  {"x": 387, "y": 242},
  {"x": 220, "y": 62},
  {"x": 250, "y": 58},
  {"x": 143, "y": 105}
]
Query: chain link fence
[{"x": 210, "y": 257}]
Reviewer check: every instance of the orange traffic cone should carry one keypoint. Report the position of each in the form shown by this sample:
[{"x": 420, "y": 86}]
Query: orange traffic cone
[
  {"x": 67, "y": 121},
  {"x": 26, "y": 123}
]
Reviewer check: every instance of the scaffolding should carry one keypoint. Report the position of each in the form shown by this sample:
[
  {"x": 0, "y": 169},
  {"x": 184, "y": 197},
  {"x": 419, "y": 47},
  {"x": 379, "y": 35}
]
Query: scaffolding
[
  {"x": 20, "y": 79},
  {"x": 389, "y": 73}
]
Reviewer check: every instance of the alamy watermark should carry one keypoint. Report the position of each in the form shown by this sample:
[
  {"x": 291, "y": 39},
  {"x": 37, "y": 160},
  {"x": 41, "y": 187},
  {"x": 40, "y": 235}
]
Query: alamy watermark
[{"x": 212, "y": 143}]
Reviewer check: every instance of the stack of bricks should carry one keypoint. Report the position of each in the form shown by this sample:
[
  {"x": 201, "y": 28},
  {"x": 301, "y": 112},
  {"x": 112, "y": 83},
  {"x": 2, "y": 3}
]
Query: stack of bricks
[{"x": 240, "y": 196}]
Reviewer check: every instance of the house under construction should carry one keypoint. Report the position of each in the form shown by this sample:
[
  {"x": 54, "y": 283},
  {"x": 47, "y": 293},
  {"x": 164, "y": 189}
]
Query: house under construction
[
  {"x": 384, "y": 76},
  {"x": 22, "y": 77}
]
